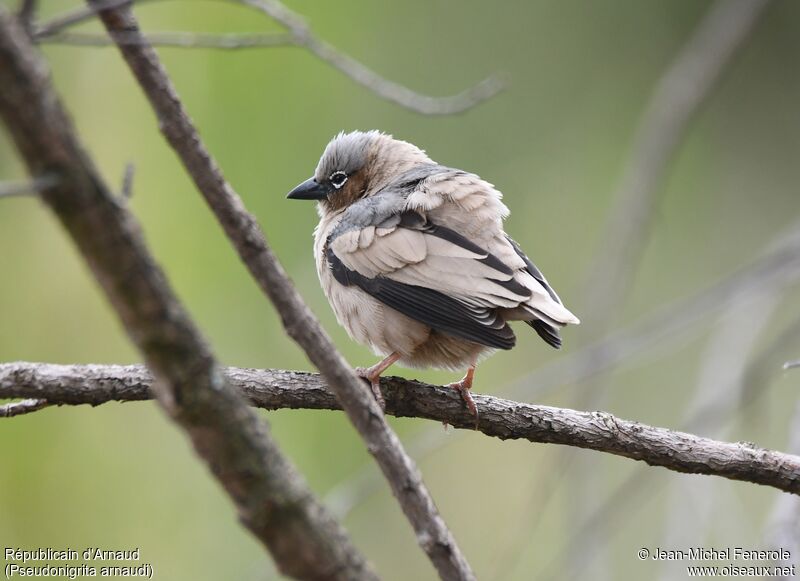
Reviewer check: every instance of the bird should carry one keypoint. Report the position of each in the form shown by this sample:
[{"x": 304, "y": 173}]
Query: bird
[{"x": 414, "y": 261}]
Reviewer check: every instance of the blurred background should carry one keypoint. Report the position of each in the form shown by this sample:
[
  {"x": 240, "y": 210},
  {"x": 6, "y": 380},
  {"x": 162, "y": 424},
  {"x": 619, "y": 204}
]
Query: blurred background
[{"x": 694, "y": 339}]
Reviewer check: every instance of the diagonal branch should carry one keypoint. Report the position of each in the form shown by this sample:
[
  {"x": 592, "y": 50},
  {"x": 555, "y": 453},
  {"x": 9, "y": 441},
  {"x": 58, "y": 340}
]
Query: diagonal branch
[
  {"x": 272, "y": 499},
  {"x": 244, "y": 233},
  {"x": 500, "y": 418}
]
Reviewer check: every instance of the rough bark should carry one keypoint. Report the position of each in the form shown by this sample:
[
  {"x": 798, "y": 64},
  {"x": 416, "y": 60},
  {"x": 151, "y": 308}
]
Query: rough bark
[
  {"x": 500, "y": 418},
  {"x": 246, "y": 236},
  {"x": 272, "y": 499}
]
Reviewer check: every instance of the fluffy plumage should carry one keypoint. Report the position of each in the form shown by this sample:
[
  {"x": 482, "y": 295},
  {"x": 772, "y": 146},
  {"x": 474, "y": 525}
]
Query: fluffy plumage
[{"x": 414, "y": 260}]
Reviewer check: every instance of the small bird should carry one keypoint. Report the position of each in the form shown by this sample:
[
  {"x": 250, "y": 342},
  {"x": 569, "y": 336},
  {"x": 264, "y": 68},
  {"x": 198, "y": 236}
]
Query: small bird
[{"x": 414, "y": 261}]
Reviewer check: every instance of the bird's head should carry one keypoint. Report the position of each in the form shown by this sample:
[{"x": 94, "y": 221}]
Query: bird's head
[{"x": 356, "y": 165}]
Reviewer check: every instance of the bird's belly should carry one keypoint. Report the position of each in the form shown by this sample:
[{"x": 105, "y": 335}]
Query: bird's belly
[
  {"x": 385, "y": 330},
  {"x": 370, "y": 322},
  {"x": 446, "y": 352}
]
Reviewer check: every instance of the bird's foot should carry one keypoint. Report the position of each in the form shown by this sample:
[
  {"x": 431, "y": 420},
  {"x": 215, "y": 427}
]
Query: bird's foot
[
  {"x": 374, "y": 380},
  {"x": 373, "y": 376},
  {"x": 464, "y": 386}
]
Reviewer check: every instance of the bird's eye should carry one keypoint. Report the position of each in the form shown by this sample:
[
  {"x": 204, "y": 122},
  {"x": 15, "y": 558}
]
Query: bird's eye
[{"x": 338, "y": 179}]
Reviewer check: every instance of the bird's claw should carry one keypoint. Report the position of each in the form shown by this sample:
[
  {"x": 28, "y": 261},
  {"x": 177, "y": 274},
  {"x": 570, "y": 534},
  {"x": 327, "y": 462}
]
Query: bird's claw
[
  {"x": 463, "y": 388},
  {"x": 375, "y": 383}
]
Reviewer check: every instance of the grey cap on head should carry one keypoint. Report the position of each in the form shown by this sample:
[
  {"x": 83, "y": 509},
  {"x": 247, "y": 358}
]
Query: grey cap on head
[
  {"x": 347, "y": 152},
  {"x": 370, "y": 159}
]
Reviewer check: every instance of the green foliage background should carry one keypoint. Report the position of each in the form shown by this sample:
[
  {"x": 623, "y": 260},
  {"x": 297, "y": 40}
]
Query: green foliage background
[{"x": 555, "y": 143}]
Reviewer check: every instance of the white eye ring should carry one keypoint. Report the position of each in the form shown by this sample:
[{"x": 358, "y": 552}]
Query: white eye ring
[{"x": 338, "y": 179}]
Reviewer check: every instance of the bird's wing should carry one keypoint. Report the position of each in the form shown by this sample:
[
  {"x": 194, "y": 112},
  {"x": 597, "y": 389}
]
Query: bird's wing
[{"x": 425, "y": 269}]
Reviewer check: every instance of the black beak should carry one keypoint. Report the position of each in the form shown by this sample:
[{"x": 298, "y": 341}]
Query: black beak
[{"x": 310, "y": 190}]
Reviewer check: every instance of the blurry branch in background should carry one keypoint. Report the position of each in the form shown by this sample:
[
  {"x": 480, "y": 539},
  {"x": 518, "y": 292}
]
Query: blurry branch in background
[
  {"x": 76, "y": 16},
  {"x": 176, "y": 40},
  {"x": 500, "y": 418},
  {"x": 791, "y": 364},
  {"x": 126, "y": 190},
  {"x": 298, "y": 34},
  {"x": 247, "y": 238},
  {"x": 272, "y": 499},
  {"x": 676, "y": 99},
  {"x": 776, "y": 266},
  {"x": 723, "y": 368},
  {"x": 26, "y": 13},
  {"x": 368, "y": 78},
  {"x": 765, "y": 366}
]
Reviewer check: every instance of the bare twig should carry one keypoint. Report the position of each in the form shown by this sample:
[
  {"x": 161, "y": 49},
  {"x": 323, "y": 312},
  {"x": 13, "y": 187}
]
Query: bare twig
[
  {"x": 791, "y": 364},
  {"x": 19, "y": 408},
  {"x": 126, "y": 190},
  {"x": 244, "y": 233},
  {"x": 26, "y": 14},
  {"x": 366, "y": 77},
  {"x": 175, "y": 40},
  {"x": 500, "y": 418},
  {"x": 10, "y": 189},
  {"x": 272, "y": 499},
  {"x": 299, "y": 34},
  {"x": 76, "y": 16}
]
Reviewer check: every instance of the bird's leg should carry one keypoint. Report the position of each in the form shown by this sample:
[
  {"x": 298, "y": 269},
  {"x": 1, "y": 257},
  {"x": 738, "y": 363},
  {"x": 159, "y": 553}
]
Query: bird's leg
[
  {"x": 463, "y": 387},
  {"x": 373, "y": 375}
]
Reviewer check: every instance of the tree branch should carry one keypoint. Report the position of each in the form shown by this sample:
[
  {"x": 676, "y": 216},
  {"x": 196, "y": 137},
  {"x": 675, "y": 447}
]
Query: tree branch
[
  {"x": 244, "y": 233},
  {"x": 501, "y": 418},
  {"x": 272, "y": 499},
  {"x": 366, "y": 77},
  {"x": 299, "y": 34},
  {"x": 19, "y": 408},
  {"x": 175, "y": 40}
]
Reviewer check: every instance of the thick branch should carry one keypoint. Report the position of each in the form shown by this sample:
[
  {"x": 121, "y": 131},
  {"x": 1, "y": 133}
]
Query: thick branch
[
  {"x": 272, "y": 499},
  {"x": 501, "y": 418},
  {"x": 244, "y": 233}
]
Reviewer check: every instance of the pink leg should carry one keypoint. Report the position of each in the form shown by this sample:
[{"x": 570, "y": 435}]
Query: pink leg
[
  {"x": 373, "y": 375},
  {"x": 463, "y": 387}
]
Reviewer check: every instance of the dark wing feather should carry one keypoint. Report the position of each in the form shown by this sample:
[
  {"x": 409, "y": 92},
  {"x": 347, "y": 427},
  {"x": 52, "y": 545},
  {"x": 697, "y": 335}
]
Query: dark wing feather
[
  {"x": 533, "y": 271},
  {"x": 430, "y": 307},
  {"x": 548, "y": 333}
]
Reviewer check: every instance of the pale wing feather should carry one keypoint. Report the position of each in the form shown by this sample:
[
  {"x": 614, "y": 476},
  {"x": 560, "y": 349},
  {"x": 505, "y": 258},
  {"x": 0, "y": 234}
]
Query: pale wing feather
[{"x": 420, "y": 259}]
